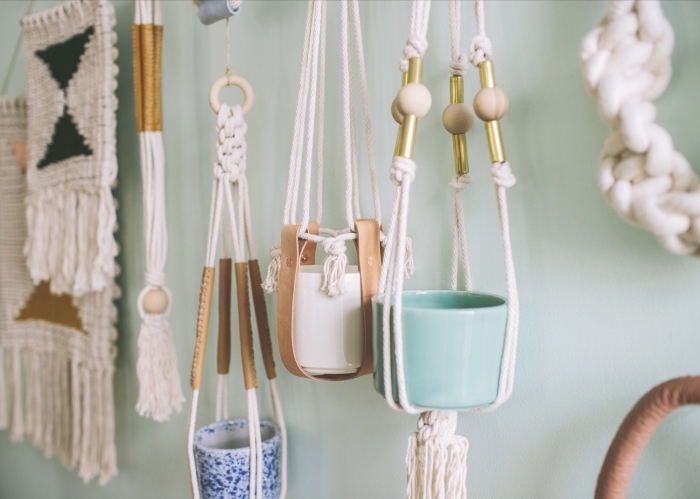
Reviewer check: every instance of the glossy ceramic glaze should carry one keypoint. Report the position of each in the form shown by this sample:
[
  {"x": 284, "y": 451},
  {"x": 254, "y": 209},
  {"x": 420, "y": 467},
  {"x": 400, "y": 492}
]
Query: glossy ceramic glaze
[
  {"x": 222, "y": 454},
  {"x": 328, "y": 335},
  {"x": 453, "y": 346}
]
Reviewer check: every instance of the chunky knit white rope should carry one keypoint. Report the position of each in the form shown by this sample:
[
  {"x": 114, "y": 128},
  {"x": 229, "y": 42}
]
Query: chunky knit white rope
[
  {"x": 311, "y": 95},
  {"x": 160, "y": 391},
  {"x": 626, "y": 65},
  {"x": 231, "y": 188}
]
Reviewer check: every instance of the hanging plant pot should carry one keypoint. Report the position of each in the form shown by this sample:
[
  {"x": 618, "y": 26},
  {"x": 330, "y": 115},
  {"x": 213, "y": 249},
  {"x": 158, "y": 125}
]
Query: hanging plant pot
[
  {"x": 453, "y": 346},
  {"x": 329, "y": 335},
  {"x": 222, "y": 454}
]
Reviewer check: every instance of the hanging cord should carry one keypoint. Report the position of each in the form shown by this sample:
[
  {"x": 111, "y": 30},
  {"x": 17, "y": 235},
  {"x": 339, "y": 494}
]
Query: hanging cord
[
  {"x": 15, "y": 51},
  {"x": 160, "y": 390},
  {"x": 503, "y": 178},
  {"x": 310, "y": 99}
]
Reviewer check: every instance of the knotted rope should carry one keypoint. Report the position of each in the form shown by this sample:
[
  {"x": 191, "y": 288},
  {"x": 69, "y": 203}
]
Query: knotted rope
[{"x": 626, "y": 65}]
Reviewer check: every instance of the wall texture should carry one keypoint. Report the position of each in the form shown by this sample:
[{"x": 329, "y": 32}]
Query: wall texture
[{"x": 606, "y": 312}]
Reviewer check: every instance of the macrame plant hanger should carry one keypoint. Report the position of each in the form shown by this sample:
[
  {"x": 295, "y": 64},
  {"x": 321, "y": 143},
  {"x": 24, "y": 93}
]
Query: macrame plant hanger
[
  {"x": 296, "y": 252},
  {"x": 160, "y": 392},
  {"x": 436, "y": 457},
  {"x": 230, "y": 189},
  {"x": 627, "y": 65}
]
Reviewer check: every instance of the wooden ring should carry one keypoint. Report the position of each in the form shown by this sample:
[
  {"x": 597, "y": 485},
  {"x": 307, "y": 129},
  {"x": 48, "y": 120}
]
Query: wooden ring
[{"x": 227, "y": 81}]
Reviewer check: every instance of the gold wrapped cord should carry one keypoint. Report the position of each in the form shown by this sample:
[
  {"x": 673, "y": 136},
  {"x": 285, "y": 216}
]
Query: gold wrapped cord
[{"x": 148, "y": 48}]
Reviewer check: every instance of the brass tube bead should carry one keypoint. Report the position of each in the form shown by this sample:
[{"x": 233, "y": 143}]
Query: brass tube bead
[
  {"x": 493, "y": 128},
  {"x": 404, "y": 80},
  {"x": 459, "y": 142},
  {"x": 407, "y": 130}
]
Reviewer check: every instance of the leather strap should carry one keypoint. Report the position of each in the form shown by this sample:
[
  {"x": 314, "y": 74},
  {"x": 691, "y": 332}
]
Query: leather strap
[
  {"x": 261, "y": 319},
  {"x": 200, "y": 345},
  {"x": 223, "y": 347},
  {"x": 294, "y": 250},
  {"x": 245, "y": 326}
]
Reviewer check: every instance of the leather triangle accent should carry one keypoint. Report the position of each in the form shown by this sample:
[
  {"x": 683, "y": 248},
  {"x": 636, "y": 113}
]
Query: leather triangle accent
[{"x": 42, "y": 305}]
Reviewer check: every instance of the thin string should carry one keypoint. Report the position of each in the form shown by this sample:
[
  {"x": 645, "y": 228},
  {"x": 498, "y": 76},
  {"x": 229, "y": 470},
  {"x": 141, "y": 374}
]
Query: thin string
[
  {"x": 229, "y": 71},
  {"x": 15, "y": 52}
]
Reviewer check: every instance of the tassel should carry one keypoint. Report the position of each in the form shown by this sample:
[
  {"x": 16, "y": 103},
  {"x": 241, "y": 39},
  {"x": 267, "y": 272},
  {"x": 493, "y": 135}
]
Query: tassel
[
  {"x": 334, "y": 267},
  {"x": 271, "y": 283},
  {"x": 436, "y": 459},
  {"x": 410, "y": 267},
  {"x": 160, "y": 392}
]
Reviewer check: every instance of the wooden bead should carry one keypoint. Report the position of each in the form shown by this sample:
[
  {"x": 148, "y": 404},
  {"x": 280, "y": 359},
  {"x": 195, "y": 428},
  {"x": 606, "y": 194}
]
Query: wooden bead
[
  {"x": 457, "y": 118},
  {"x": 491, "y": 104},
  {"x": 414, "y": 99},
  {"x": 398, "y": 117},
  {"x": 155, "y": 301}
]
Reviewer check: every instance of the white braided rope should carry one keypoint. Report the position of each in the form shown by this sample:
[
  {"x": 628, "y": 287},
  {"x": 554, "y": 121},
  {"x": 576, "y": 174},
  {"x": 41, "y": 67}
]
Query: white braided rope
[
  {"x": 626, "y": 65},
  {"x": 310, "y": 108}
]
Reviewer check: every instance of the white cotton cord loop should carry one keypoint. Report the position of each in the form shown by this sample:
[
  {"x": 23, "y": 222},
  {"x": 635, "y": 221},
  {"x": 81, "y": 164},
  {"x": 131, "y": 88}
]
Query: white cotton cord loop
[
  {"x": 279, "y": 419},
  {"x": 480, "y": 46},
  {"x": 459, "y": 235},
  {"x": 458, "y": 60},
  {"x": 271, "y": 283},
  {"x": 436, "y": 458},
  {"x": 626, "y": 65}
]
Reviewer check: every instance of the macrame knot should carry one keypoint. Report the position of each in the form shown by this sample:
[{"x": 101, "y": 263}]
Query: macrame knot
[
  {"x": 155, "y": 278},
  {"x": 458, "y": 66},
  {"x": 416, "y": 45},
  {"x": 460, "y": 182},
  {"x": 479, "y": 49},
  {"x": 436, "y": 424},
  {"x": 272, "y": 280},
  {"x": 402, "y": 169},
  {"x": 502, "y": 175},
  {"x": 334, "y": 266},
  {"x": 231, "y": 144}
]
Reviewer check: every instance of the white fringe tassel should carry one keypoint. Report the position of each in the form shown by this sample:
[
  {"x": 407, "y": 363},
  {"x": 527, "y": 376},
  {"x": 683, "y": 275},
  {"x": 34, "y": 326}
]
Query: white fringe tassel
[
  {"x": 436, "y": 459},
  {"x": 70, "y": 239},
  {"x": 69, "y": 409},
  {"x": 271, "y": 283}
]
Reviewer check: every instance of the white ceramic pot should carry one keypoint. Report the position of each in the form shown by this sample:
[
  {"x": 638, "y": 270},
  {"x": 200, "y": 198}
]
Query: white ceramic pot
[{"x": 328, "y": 332}]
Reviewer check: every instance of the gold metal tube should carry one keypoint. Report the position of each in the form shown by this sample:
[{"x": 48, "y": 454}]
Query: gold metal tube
[
  {"x": 493, "y": 128},
  {"x": 456, "y": 90},
  {"x": 404, "y": 80},
  {"x": 459, "y": 145},
  {"x": 408, "y": 136},
  {"x": 486, "y": 74},
  {"x": 495, "y": 141}
]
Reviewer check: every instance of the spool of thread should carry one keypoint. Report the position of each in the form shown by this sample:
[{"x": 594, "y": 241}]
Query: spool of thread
[{"x": 211, "y": 11}]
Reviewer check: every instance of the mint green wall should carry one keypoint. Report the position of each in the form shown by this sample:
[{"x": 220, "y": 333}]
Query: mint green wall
[{"x": 606, "y": 312}]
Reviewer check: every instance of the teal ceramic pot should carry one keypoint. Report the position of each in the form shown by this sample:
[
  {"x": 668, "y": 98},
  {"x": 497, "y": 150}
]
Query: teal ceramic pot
[{"x": 453, "y": 346}]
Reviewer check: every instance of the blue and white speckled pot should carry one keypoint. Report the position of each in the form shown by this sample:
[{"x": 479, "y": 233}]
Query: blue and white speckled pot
[{"x": 222, "y": 453}]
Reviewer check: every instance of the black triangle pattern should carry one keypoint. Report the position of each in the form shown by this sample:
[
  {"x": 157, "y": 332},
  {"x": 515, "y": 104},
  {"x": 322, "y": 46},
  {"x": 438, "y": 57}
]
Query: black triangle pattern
[
  {"x": 63, "y": 60},
  {"x": 66, "y": 142}
]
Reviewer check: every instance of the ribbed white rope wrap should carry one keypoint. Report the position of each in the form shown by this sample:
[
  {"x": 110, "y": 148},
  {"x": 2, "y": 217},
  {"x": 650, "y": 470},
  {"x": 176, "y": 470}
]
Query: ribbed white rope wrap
[
  {"x": 310, "y": 98},
  {"x": 160, "y": 390},
  {"x": 231, "y": 188},
  {"x": 627, "y": 65}
]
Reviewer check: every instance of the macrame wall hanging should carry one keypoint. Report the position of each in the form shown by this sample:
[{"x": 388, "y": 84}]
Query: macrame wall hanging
[
  {"x": 160, "y": 392},
  {"x": 221, "y": 465},
  {"x": 627, "y": 65},
  {"x": 414, "y": 372},
  {"x": 59, "y": 339},
  {"x": 324, "y": 316}
]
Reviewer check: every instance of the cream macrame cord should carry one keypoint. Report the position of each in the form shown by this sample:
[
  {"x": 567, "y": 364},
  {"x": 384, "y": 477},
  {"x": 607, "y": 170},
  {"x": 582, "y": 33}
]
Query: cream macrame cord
[{"x": 627, "y": 65}]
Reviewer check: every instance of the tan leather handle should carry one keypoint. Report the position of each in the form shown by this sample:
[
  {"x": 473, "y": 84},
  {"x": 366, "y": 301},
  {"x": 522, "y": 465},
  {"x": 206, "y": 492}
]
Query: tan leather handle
[
  {"x": 223, "y": 347},
  {"x": 261, "y": 319},
  {"x": 245, "y": 326},
  {"x": 637, "y": 428},
  {"x": 200, "y": 345}
]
